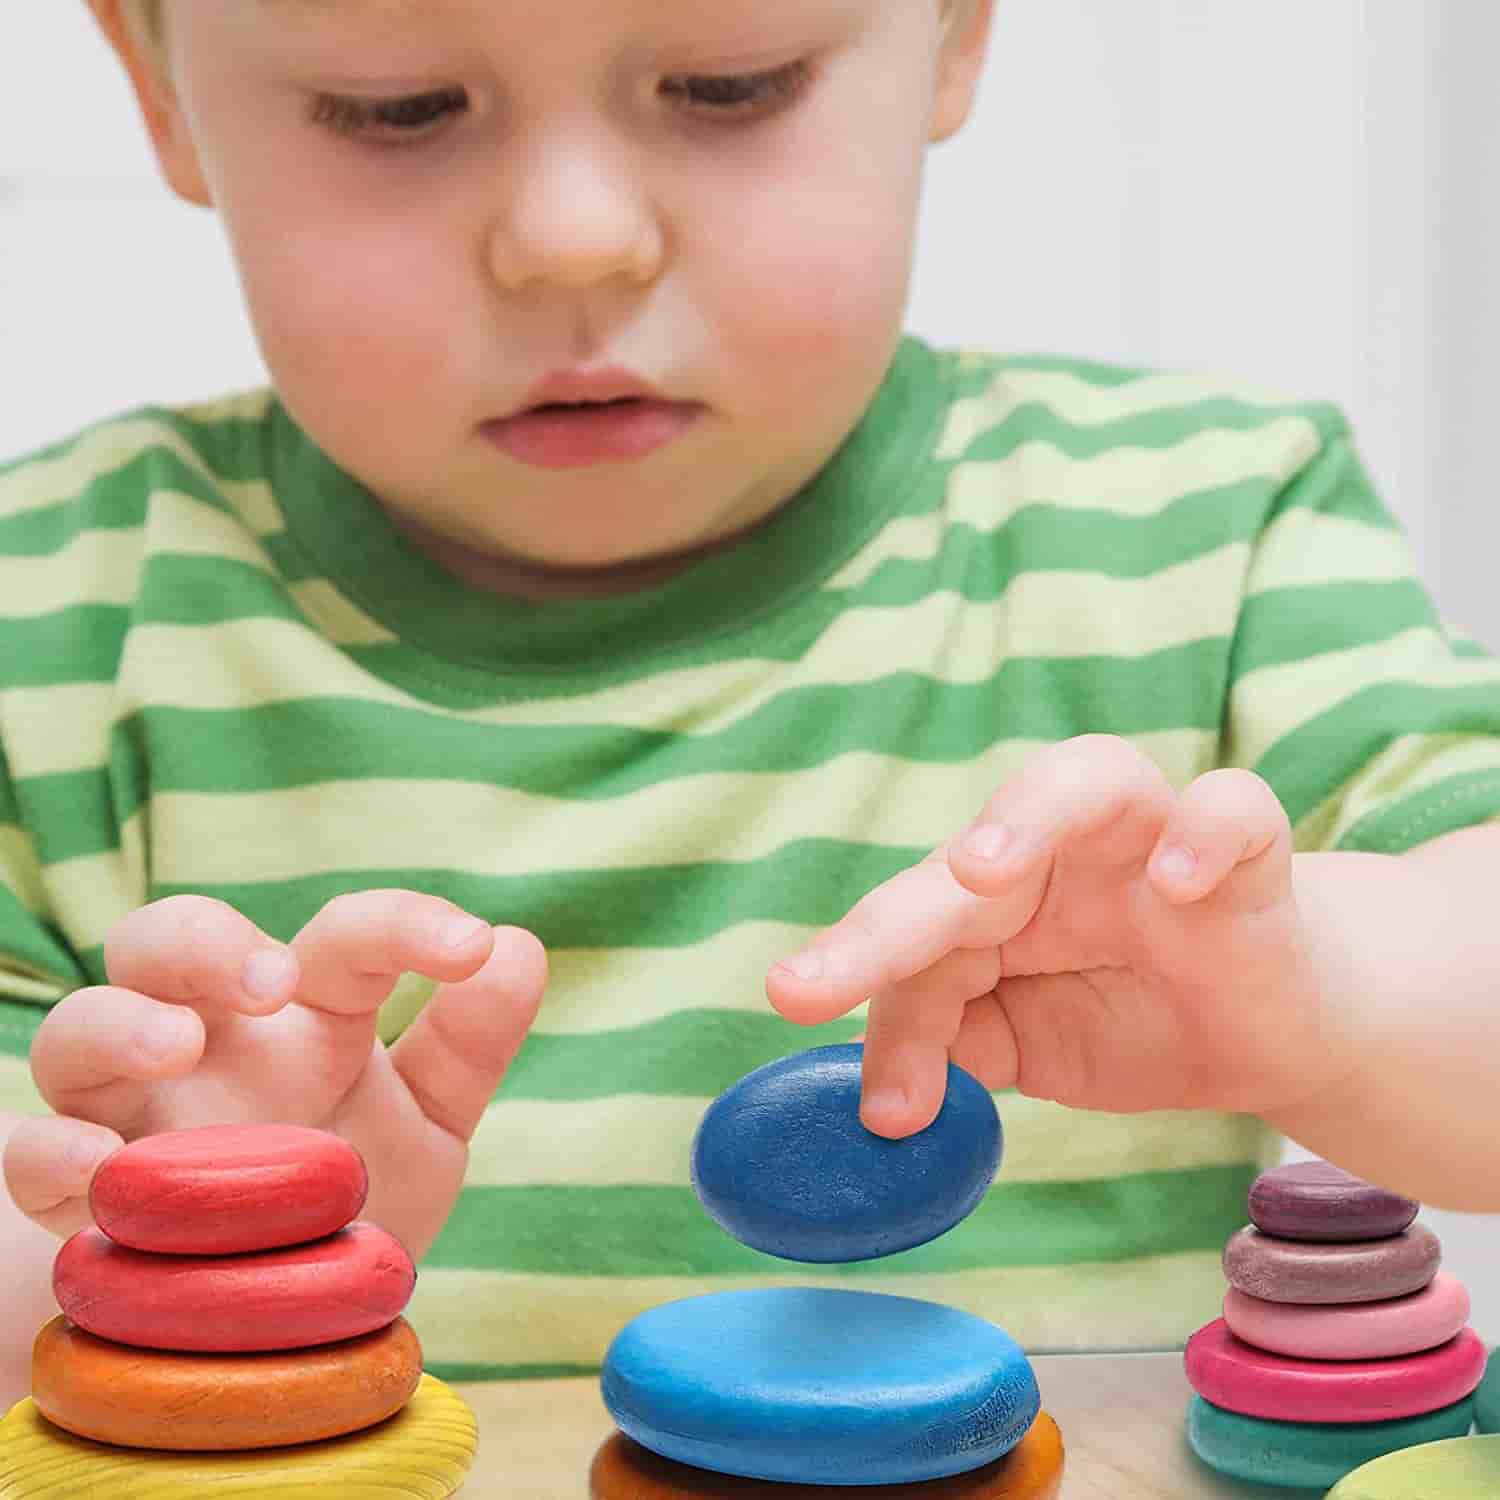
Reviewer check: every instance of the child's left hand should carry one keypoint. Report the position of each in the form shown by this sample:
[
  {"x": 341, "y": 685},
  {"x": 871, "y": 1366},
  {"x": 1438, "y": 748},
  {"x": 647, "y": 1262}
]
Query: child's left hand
[{"x": 1125, "y": 948}]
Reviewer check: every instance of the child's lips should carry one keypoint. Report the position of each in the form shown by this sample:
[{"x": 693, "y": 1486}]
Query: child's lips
[{"x": 574, "y": 436}]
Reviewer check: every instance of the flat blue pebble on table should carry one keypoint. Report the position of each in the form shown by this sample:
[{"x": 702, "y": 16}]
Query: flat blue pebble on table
[
  {"x": 811, "y": 1385},
  {"x": 781, "y": 1162}
]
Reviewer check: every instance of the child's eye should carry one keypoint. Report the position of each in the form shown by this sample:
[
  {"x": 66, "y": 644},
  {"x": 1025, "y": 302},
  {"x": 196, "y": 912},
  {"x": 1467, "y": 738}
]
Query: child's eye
[
  {"x": 738, "y": 95},
  {"x": 388, "y": 122}
]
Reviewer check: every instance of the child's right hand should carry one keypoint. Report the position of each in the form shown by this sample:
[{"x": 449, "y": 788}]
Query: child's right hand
[{"x": 208, "y": 1021}]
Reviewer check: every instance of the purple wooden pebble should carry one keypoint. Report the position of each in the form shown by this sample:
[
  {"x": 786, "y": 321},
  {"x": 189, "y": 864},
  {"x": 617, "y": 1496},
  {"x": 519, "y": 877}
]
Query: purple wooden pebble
[{"x": 1315, "y": 1200}]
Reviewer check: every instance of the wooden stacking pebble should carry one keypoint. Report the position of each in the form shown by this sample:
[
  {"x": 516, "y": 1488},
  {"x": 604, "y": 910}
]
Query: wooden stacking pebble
[
  {"x": 423, "y": 1452},
  {"x": 339, "y": 1287},
  {"x": 1487, "y": 1397},
  {"x": 1352, "y": 1330},
  {"x": 228, "y": 1189},
  {"x": 807, "y": 1385},
  {"x": 1032, "y": 1470},
  {"x": 1458, "y": 1469},
  {"x": 1315, "y": 1200},
  {"x": 1256, "y": 1383},
  {"x": 1278, "y": 1270},
  {"x": 781, "y": 1162},
  {"x": 138, "y": 1398},
  {"x": 1309, "y": 1455}
]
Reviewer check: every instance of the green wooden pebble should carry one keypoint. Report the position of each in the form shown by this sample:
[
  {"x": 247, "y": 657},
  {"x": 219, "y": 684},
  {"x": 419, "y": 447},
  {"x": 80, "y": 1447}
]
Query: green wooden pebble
[
  {"x": 1487, "y": 1398},
  {"x": 1465, "y": 1468},
  {"x": 1309, "y": 1455}
]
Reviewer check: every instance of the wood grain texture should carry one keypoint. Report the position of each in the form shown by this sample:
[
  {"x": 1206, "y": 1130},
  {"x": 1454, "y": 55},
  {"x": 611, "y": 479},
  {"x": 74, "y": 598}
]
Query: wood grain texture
[
  {"x": 228, "y": 1189},
  {"x": 143, "y": 1398},
  {"x": 423, "y": 1452},
  {"x": 1032, "y": 1470}
]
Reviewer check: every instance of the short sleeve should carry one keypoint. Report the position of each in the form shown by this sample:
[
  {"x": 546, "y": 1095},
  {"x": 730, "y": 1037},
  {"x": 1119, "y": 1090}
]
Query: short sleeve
[
  {"x": 37, "y": 967},
  {"x": 1377, "y": 726}
]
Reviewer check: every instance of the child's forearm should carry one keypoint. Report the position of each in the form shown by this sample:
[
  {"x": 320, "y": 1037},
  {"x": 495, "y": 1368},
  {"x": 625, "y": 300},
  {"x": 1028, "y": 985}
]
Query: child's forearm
[
  {"x": 26, "y": 1301},
  {"x": 1409, "y": 950}
]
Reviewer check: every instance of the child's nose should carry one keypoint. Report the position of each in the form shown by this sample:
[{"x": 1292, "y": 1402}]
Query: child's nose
[{"x": 578, "y": 214}]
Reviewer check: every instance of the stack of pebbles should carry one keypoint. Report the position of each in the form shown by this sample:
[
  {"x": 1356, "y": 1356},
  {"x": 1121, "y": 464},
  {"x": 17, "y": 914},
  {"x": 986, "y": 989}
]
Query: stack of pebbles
[
  {"x": 231, "y": 1305},
  {"x": 784, "y": 1391},
  {"x": 1341, "y": 1339}
]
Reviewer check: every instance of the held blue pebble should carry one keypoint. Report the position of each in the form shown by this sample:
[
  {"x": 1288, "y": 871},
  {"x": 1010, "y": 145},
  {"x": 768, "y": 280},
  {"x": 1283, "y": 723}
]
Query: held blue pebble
[
  {"x": 781, "y": 1162},
  {"x": 810, "y": 1385}
]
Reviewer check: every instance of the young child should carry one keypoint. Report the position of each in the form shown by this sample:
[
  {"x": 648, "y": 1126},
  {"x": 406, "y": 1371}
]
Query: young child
[{"x": 606, "y": 587}]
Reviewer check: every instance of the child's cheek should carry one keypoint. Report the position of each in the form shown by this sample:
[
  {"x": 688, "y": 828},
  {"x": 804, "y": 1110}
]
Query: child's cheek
[{"x": 359, "y": 323}]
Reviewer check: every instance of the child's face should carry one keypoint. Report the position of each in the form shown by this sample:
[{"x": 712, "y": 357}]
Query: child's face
[{"x": 717, "y": 196}]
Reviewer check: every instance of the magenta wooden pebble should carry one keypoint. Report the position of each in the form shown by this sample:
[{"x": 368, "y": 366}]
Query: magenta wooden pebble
[
  {"x": 1352, "y": 1330},
  {"x": 1256, "y": 1383},
  {"x": 340, "y": 1287},
  {"x": 226, "y": 1189},
  {"x": 1315, "y": 1200},
  {"x": 1279, "y": 1270}
]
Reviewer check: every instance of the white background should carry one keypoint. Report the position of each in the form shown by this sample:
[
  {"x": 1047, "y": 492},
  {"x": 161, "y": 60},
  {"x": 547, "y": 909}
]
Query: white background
[{"x": 1304, "y": 192}]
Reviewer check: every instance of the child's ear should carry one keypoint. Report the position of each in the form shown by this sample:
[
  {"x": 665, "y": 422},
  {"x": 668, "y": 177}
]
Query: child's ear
[
  {"x": 160, "y": 109},
  {"x": 960, "y": 64}
]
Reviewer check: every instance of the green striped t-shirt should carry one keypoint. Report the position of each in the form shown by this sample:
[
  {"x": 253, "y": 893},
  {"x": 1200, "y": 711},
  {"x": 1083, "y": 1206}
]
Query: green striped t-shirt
[{"x": 222, "y": 671}]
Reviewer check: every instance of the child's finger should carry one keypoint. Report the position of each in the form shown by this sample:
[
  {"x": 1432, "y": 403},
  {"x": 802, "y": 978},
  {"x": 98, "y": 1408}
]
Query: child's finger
[
  {"x": 1227, "y": 823},
  {"x": 353, "y": 951},
  {"x": 1096, "y": 788},
  {"x": 912, "y": 1027},
  {"x": 193, "y": 950},
  {"x": 50, "y": 1163},
  {"x": 453, "y": 1056},
  {"x": 899, "y": 929},
  {"x": 98, "y": 1051}
]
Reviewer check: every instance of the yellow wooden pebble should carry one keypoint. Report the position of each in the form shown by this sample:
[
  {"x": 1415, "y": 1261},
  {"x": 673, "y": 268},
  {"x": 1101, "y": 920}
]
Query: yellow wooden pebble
[
  {"x": 421, "y": 1453},
  {"x": 1466, "y": 1468}
]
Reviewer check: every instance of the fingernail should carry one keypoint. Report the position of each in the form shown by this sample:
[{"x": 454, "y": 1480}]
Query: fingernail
[
  {"x": 266, "y": 972},
  {"x": 460, "y": 932},
  {"x": 886, "y": 1104},
  {"x": 989, "y": 840},
  {"x": 1176, "y": 863},
  {"x": 805, "y": 965}
]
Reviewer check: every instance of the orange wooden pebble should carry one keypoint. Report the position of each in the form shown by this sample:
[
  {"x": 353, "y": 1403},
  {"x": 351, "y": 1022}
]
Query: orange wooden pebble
[
  {"x": 145, "y": 1398},
  {"x": 1032, "y": 1470}
]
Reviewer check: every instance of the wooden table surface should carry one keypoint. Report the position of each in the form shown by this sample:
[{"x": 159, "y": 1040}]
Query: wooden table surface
[{"x": 1121, "y": 1417}]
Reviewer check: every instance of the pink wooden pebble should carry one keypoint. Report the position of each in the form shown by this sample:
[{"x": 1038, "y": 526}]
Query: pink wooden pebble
[
  {"x": 1352, "y": 1330},
  {"x": 227, "y": 1189},
  {"x": 340, "y": 1287},
  {"x": 1360, "y": 1271},
  {"x": 1254, "y": 1383}
]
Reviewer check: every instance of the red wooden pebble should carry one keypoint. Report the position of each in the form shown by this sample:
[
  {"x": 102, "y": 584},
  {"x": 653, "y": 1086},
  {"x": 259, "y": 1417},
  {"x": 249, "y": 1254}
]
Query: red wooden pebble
[
  {"x": 339, "y": 1287},
  {"x": 1255, "y": 1383},
  {"x": 227, "y": 1189}
]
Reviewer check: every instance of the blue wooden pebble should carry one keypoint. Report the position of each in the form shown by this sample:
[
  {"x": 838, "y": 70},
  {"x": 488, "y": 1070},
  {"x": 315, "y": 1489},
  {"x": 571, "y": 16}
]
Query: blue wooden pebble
[
  {"x": 782, "y": 1162},
  {"x": 809, "y": 1385}
]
